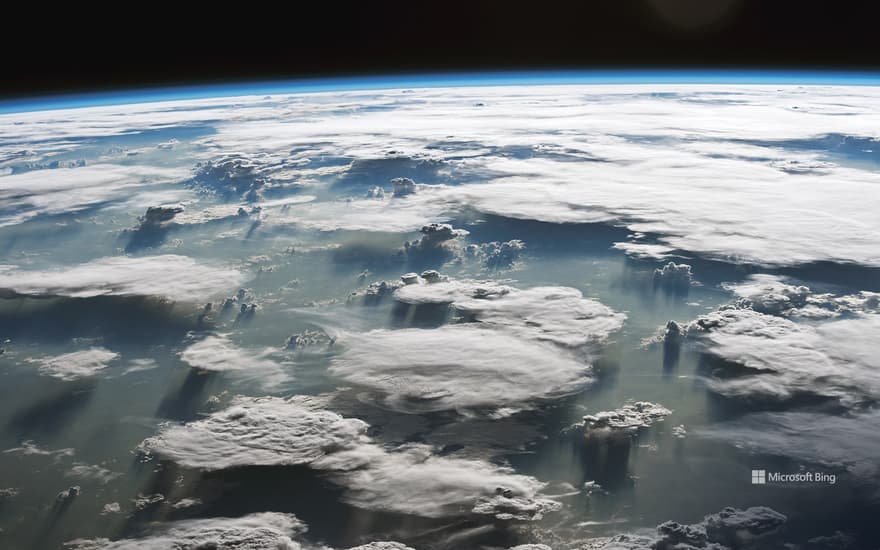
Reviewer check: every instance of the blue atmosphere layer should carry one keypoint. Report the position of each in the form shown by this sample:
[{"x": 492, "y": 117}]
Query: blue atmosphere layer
[{"x": 125, "y": 97}]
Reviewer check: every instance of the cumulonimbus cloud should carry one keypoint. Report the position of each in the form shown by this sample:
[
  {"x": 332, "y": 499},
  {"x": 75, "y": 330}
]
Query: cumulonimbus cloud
[{"x": 271, "y": 431}]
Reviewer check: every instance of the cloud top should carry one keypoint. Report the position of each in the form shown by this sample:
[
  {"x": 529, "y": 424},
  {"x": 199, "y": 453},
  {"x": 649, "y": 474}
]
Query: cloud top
[
  {"x": 169, "y": 276},
  {"x": 271, "y": 431}
]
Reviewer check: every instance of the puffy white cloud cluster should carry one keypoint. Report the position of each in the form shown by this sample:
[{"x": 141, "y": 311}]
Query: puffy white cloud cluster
[
  {"x": 734, "y": 527},
  {"x": 382, "y": 545},
  {"x": 457, "y": 367},
  {"x": 411, "y": 480},
  {"x": 69, "y": 190},
  {"x": 781, "y": 359},
  {"x": 675, "y": 197},
  {"x": 394, "y": 214},
  {"x": 309, "y": 340},
  {"x": 269, "y": 431},
  {"x": 645, "y": 251},
  {"x": 775, "y": 295},
  {"x": 92, "y": 471},
  {"x": 260, "y": 531},
  {"x": 217, "y": 353},
  {"x": 170, "y": 276},
  {"x": 560, "y": 315},
  {"x": 673, "y": 276},
  {"x": 447, "y": 291},
  {"x": 264, "y": 431},
  {"x": 489, "y": 360},
  {"x": 76, "y": 364},
  {"x": 142, "y": 502},
  {"x": 496, "y": 255},
  {"x": 435, "y": 237},
  {"x": 252, "y": 532},
  {"x": 234, "y": 177},
  {"x": 30, "y": 448},
  {"x": 403, "y": 186},
  {"x": 627, "y": 420},
  {"x": 728, "y": 529}
]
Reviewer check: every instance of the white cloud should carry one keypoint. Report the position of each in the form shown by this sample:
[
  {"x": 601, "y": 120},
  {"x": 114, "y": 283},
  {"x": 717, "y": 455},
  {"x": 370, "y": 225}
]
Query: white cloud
[
  {"x": 394, "y": 214},
  {"x": 76, "y": 364},
  {"x": 92, "y": 471},
  {"x": 252, "y": 532},
  {"x": 299, "y": 431},
  {"x": 140, "y": 365},
  {"x": 496, "y": 255},
  {"x": 730, "y": 528},
  {"x": 411, "y": 480},
  {"x": 449, "y": 291},
  {"x": 217, "y": 353},
  {"x": 259, "y": 531},
  {"x": 651, "y": 251},
  {"x": 560, "y": 315},
  {"x": 29, "y": 448},
  {"x": 780, "y": 296},
  {"x": 489, "y": 361},
  {"x": 65, "y": 190},
  {"x": 730, "y": 172},
  {"x": 170, "y": 276},
  {"x": 265, "y": 431},
  {"x": 457, "y": 367},
  {"x": 781, "y": 359},
  {"x": 674, "y": 276},
  {"x": 382, "y": 545},
  {"x": 628, "y": 419},
  {"x": 186, "y": 503}
]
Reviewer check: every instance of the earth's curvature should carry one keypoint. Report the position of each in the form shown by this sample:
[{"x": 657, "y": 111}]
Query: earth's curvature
[{"x": 579, "y": 315}]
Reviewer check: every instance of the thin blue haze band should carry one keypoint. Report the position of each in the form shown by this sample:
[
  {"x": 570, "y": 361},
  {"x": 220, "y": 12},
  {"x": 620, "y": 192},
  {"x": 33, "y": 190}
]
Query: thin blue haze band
[{"x": 784, "y": 77}]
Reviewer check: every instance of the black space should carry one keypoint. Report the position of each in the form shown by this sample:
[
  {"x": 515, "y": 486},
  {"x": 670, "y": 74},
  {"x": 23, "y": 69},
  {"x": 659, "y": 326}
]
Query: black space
[{"x": 137, "y": 45}]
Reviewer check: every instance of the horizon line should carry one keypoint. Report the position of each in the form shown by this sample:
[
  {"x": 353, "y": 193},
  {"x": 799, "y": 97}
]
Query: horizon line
[{"x": 184, "y": 91}]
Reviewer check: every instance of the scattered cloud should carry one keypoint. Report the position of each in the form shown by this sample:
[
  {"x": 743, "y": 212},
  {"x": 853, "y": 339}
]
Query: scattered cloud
[
  {"x": 626, "y": 420},
  {"x": 457, "y": 367},
  {"x": 779, "y": 359},
  {"x": 29, "y": 448},
  {"x": 265, "y": 431},
  {"x": 217, "y": 353},
  {"x": 251, "y": 532},
  {"x": 674, "y": 277},
  {"x": 77, "y": 364},
  {"x": 728, "y": 529},
  {"x": 560, "y": 315},
  {"x": 487, "y": 360},
  {"x": 69, "y": 190},
  {"x": 93, "y": 472},
  {"x": 169, "y": 276},
  {"x": 776, "y": 295},
  {"x": 269, "y": 431}
]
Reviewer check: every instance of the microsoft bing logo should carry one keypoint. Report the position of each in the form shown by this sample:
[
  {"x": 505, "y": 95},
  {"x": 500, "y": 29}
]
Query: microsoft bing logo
[{"x": 759, "y": 477}]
